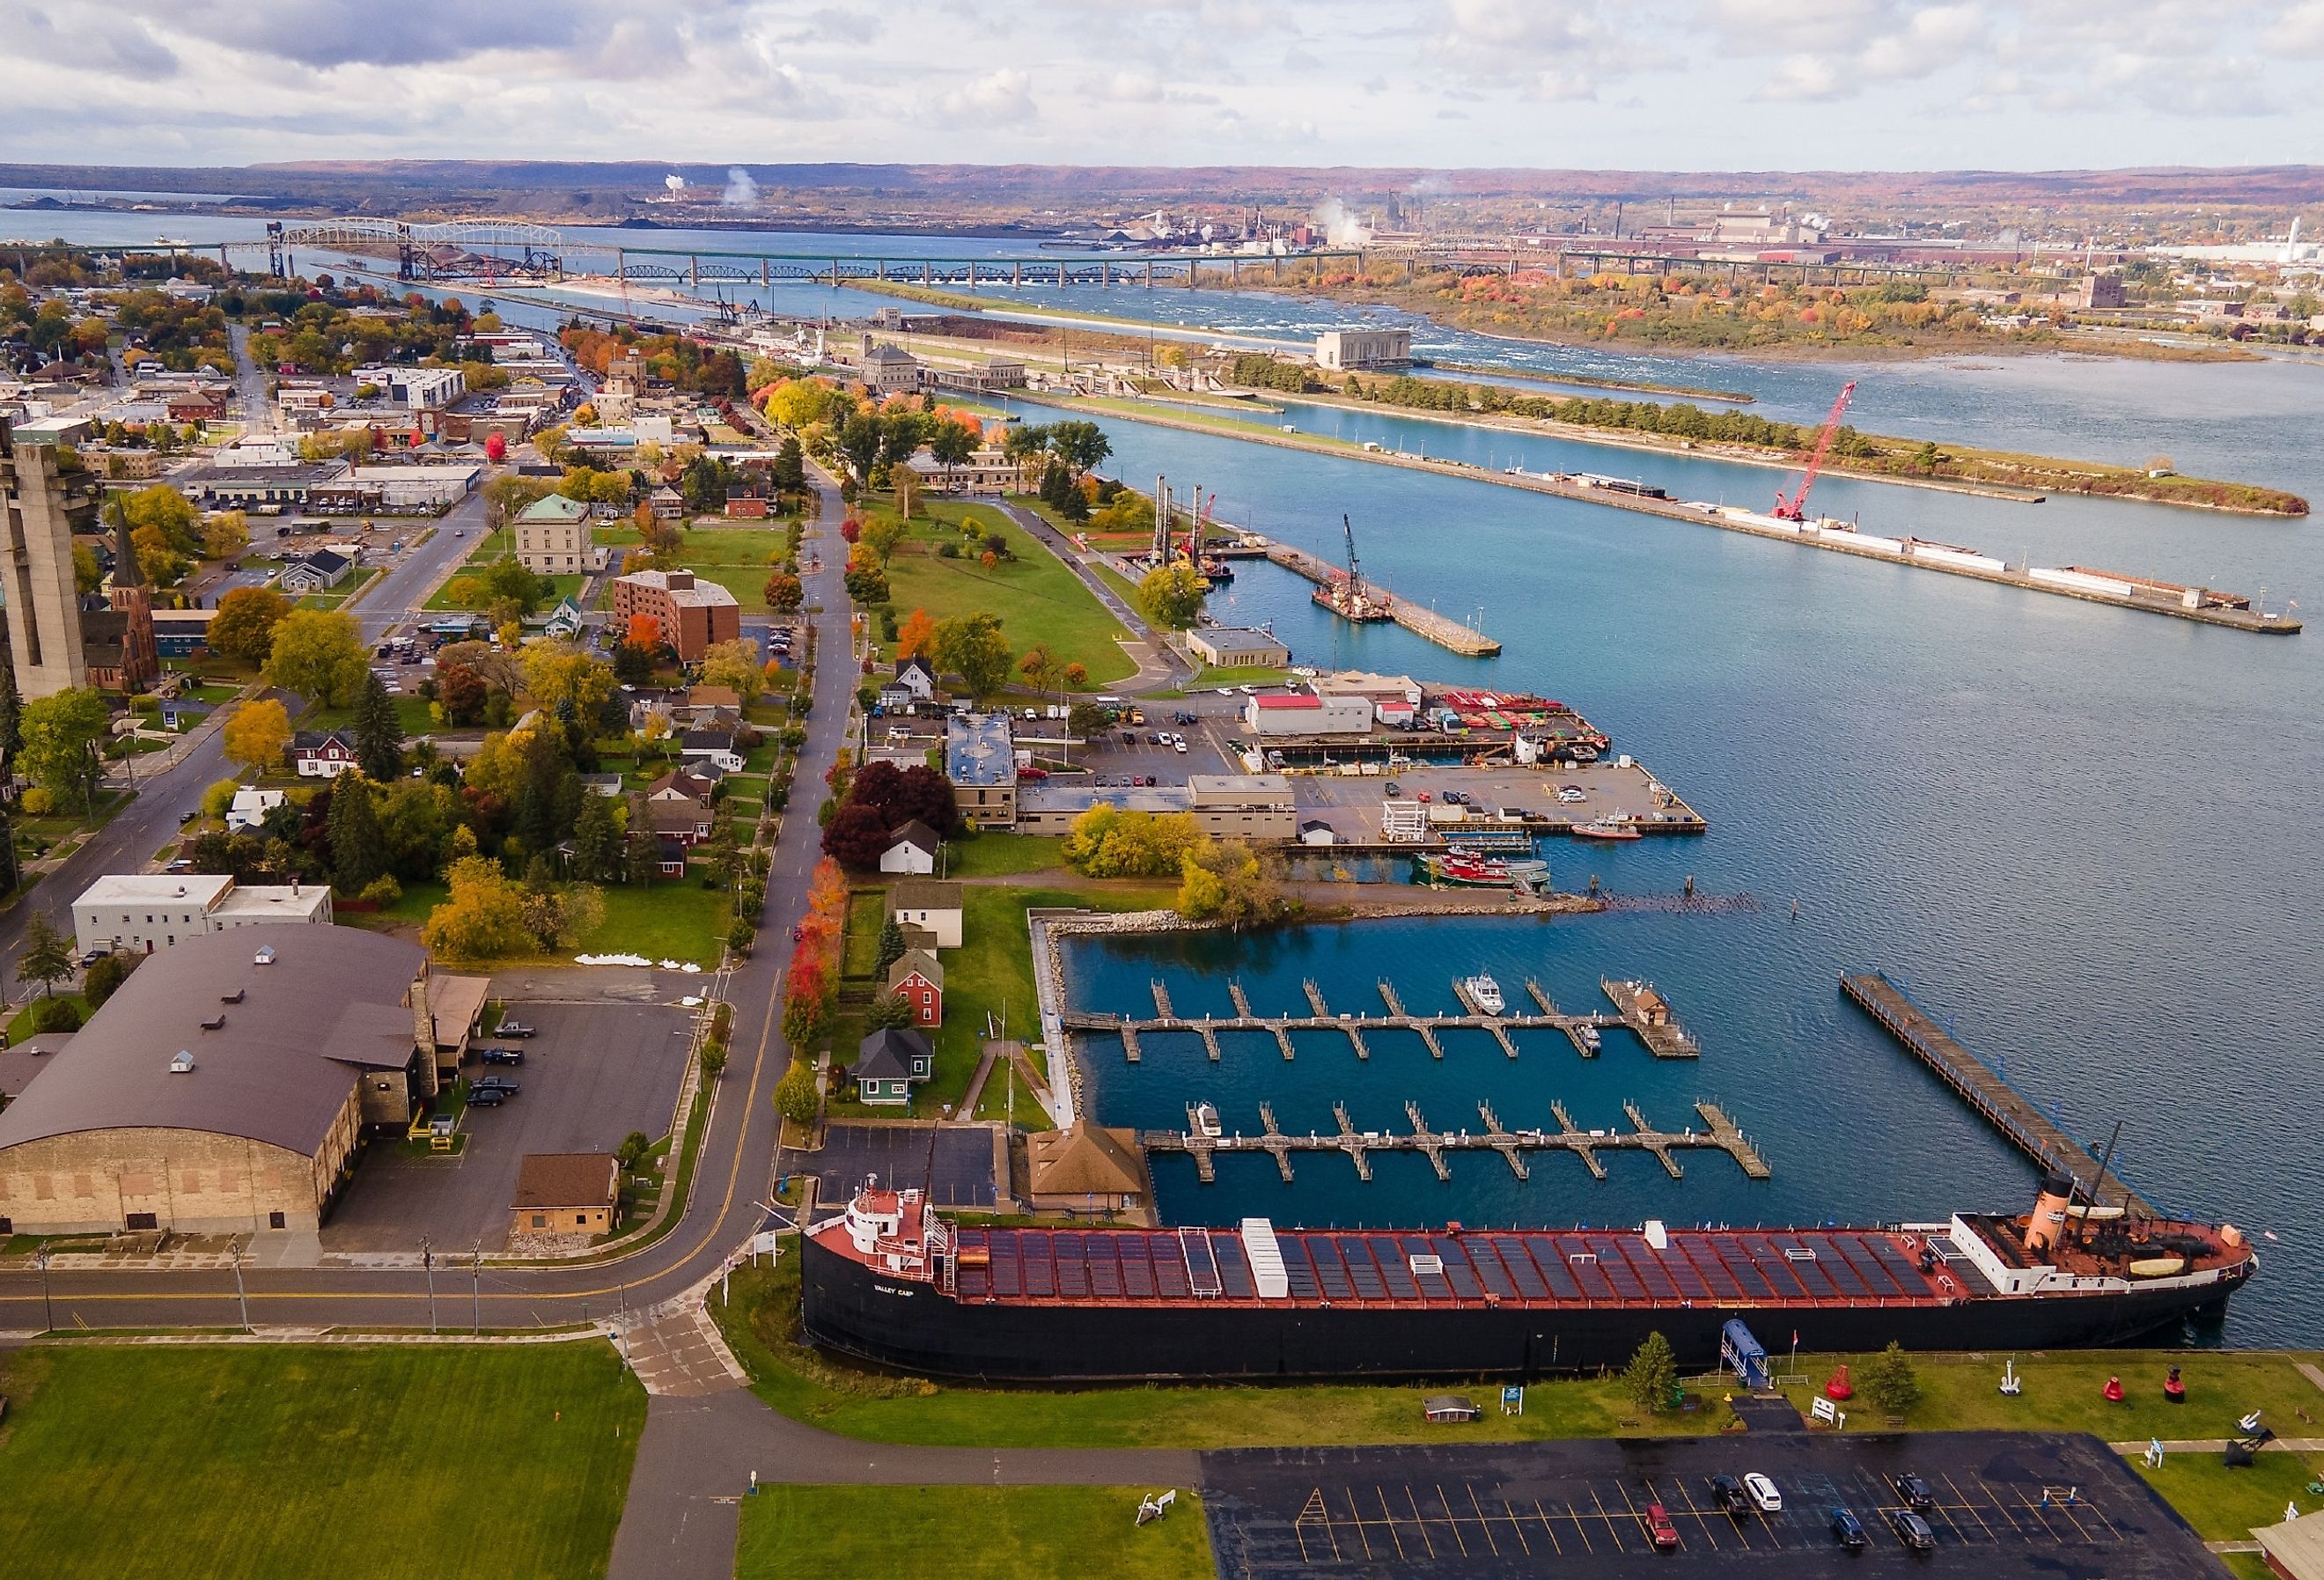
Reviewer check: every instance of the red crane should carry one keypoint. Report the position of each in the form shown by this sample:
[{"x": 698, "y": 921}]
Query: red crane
[{"x": 1795, "y": 508}]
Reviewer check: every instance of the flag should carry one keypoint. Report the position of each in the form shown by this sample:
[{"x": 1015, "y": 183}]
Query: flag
[{"x": 1795, "y": 1338}]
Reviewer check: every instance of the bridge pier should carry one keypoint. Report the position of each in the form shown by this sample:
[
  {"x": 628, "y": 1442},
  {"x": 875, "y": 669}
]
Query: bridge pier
[
  {"x": 1104, "y": 274},
  {"x": 1017, "y": 276},
  {"x": 928, "y": 274}
]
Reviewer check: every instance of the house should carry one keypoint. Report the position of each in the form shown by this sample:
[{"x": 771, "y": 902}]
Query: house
[
  {"x": 1084, "y": 1169},
  {"x": 891, "y": 369},
  {"x": 918, "y": 978},
  {"x": 670, "y": 859},
  {"x": 566, "y": 1196},
  {"x": 667, "y": 503},
  {"x": 323, "y": 753},
  {"x": 722, "y": 700},
  {"x": 895, "y": 698},
  {"x": 917, "y": 676},
  {"x": 250, "y": 808},
  {"x": 746, "y": 501},
  {"x": 1233, "y": 647},
  {"x": 316, "y": 572},
  {"x": 1447, "y": 1409},
  {"x": 2293, "y": 1549},
  {"x": 930, "y": 904},
  {"x": 564, "y": 623},
  {"x": 182, "y": 633},
  {"x": 888, "y": 1062},
  {"x": 1316, "y": 831},
  {"x": 680, "y": 785},
  {"x": 981, "y": 761},
  {"x": 608, "y": 785},
  {"x": 911, "y": 849},
  {"x": 683, "y": 822},
  {"x": 711, "y": 746}
]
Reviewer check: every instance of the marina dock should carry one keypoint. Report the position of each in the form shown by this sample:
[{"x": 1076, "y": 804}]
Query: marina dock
[
  {"x": 1978, "y": 1084},
  {"x": 1718, "y": 1133},
  {"x": 1445, "y": 633},
  {"x": 1638, "y": 1008}
]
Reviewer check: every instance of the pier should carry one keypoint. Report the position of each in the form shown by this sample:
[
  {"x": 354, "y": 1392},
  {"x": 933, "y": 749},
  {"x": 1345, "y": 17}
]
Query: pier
[
  {"x": 1718, "y": 1133},
  {"x": 1638, "y": 1008},
  {"x": 1447, "y": 633},
  {"x": 1979, "y": 1086}
]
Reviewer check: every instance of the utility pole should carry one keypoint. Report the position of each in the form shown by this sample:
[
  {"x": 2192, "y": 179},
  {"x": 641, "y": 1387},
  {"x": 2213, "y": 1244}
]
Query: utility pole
[
  {"x": 48, "y": 1306},
  {"x": 428, "y": 1261},
  {"x": 241, "y": 1296},
  {"x": 477, "y": 1287}
]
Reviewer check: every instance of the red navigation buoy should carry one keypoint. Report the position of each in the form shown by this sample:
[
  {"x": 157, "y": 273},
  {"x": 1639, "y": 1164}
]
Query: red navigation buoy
[
  {"x": 2114, "y": 1390},
  {"x": 2174, "y": 1391},
  {"x": 1840, "y": 1387}
]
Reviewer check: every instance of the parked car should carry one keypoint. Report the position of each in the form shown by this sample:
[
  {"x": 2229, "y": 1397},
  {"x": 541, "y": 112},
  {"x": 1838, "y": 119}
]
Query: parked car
[
  {"x": 515, "y": 1029},
  {"x": 1764, "y": 1496},
  {"x": 1181, "y": 744},
  {"x": 1911, "y": 1531},
  {"x": 507, "y": 1083},
  {"x": 1847, "y": 1530},
  {"x": 1394, "y": 789},
  {"x": 92, "y": 957},
  {"x": 487, "y": 1096},
  {"x": 503, "y": 1055},
  {"x": 1659, "y": 1528},
  {"x": 1913, "y": 1490},
  {"x": 1727, "y": 1493}
]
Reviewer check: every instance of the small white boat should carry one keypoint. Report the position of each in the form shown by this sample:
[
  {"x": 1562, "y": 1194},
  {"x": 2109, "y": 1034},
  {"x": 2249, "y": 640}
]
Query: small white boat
[
  {"x": 1206, "y": 1121},
  {"x": 1485, "y": 993},
  {"x": 1589, "y": 1037}
]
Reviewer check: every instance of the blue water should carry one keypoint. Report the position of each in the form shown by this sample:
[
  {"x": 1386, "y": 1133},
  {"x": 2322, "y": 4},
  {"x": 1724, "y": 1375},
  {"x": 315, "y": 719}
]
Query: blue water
[{"x": 2084, "y": 835}]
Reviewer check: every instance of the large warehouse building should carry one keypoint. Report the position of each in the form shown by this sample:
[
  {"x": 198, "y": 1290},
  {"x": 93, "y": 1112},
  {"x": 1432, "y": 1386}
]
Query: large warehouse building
[{"x": 225, "y": 1086}]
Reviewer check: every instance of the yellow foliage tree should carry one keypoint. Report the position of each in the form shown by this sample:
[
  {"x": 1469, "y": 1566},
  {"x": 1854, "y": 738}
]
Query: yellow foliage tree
[
  {"x": 256, "y": 734},
  {"x": 482, "y": 919}
]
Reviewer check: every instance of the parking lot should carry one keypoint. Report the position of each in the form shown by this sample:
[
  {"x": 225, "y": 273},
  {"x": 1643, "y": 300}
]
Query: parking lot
[
  {"x": 958, "y": 1173},
  {"x": 594, "y": 1074},
  {"x": 1580, "y": 1508},
  {"x": 1352, "y": 804}
]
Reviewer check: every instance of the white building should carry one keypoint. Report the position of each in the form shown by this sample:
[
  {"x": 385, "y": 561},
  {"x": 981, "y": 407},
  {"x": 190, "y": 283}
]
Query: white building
[
  {"x": 250, "y": 808},
  {"x": 419, "y": 487},
  {"x": 1339, "y": 349},
  {"x": 1299, "y": 712},
  {"x": 425, "y": 389},
  {"x": 140, "y": 912}
]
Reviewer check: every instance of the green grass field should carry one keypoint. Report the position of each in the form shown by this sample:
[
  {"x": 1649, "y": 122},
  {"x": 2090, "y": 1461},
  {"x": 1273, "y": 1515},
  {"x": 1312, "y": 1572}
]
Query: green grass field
[
  {"x": 497, "y": 545},
  {"x": 19, "y": 1024},
  {"x": 338, "y": 597},
  {"x": 999, "y": 855},
  {"x": 967, "y": 1533},
  {"x": 670, "y": 919},
  {"x": 362, "y": 1463},
  {"x": 1035, "y": 596}
]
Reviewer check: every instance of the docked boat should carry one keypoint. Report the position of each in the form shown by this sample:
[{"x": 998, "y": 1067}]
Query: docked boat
[
  {"x": 1205, "y": 1117},
  {"x": 1485, "y": 993},
  {"x": 1605, "y": 828},
  {"x": 1589, "y": 1037},
  {"x": 1470, "y": 870},
  {"x": 892, "y": 1281}
]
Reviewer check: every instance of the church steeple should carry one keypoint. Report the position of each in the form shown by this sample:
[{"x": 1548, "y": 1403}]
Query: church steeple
[{"x": 126, "y": 571}]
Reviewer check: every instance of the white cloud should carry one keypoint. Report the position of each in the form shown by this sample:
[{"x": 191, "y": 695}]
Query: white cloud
[{"x": 998, "y": 98}]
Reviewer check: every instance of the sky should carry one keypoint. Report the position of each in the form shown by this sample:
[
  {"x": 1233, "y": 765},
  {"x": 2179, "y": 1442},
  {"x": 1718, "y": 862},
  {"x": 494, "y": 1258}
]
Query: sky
[{"x": 1600, "y": 84}]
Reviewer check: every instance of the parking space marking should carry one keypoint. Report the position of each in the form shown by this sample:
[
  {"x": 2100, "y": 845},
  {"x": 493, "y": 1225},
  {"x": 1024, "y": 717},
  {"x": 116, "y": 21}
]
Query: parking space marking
[
  {"x": 1515, "y": 1528},
  {"x": 1482, "y": 1523},
  {"x": 1541, "y": 1514},
  {"x": 1609, "y": 1519},
  {"x": 1579, "y": 1528},
  {"x": 1311, "y": 1511},
  {"x": 1970, "y": 1505},
  {"x": 1687, "y": 1506},
  {"x": 2001, "y": 1507},
  {"x": 1450, "y": 1518},
  {"x": 1427, "y": 1540},
  {"x": 1356, "y": 1515}
]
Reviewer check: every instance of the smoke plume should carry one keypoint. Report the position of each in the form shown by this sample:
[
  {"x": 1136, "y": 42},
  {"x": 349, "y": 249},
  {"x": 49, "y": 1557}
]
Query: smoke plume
[
  {"x": 741, "y": 191},
  {"x": 1340, "y": 227}
]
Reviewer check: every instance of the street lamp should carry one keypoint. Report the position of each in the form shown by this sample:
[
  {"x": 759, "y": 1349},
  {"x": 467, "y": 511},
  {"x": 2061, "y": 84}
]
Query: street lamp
[
  {"x": 241, "y": 1296},
  {"x": 46, "y": 1304},
  {"x": 476, "y": 1287},
  {"x": 428, "y": 1261}
]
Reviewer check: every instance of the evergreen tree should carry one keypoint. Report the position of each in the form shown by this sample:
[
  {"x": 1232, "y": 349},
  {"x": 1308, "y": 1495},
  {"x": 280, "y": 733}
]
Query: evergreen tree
[
  {"x": 596, "y": 842},
  {"x": 379, "y": 734},
  {"x": 641, "y": 858},
  {"x": 1651, "y": 1379},
  {"x": 890, "y": 1011},
  {"x": 891, "y": 949},
  {"x": 358, "y": 848},
  {"x": 47, "y": 957},
  {"x": 11, "y": 707},
  {"x": 1889, "y": 1382}
]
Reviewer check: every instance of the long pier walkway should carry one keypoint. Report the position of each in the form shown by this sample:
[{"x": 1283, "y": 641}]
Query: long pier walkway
[
  {"x": 2021, "y": 1123},
  {"x": 1443, "y": 631},
  {"x": 1718, "y": 1133},
  {"x": 1637, "y": 1008}
]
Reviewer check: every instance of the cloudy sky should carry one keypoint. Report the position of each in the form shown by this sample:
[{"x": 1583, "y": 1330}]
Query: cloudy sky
[{"x": 1676, "y": 84}]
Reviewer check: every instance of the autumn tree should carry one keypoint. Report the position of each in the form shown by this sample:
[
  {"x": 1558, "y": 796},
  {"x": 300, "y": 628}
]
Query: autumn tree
[
  {"x": 1111, "y": 842},
  {"x": 460, "y": 691},
  {"x": 1226, "y": 880},
  {"x": 319, "y": 654},
  {"x": 1038, "y": 666},
  {"x": 563, "y": 680},
  {"x": 225, "y": 534},
  {"x": 974, "y": 647},
  {"x": 481, "y": 919},
  {"x": 59, "y": 737},
  {"x": 735, "y": 666},
  {"x": 256, "y": 733},
  {"x": 784, "y": 592},
  {"x": 856, "y": 836},
  {"x": 880, "y": 536},
  {"x": 379, "y": 732},
  {"x": 1172, "y": 594},
  {"x": 916, "y": 639}
]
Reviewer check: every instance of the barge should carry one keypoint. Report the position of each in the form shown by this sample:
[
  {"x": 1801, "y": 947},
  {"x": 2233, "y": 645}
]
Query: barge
[{"x": 892, "y": 1281}]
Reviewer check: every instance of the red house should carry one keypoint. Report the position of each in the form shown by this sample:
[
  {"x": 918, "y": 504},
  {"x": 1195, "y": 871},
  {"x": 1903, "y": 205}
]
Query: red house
[{"x": 918, "y": 980}]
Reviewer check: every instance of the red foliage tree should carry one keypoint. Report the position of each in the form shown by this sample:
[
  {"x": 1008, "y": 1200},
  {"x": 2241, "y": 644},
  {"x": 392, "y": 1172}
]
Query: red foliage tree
[
  {"x": 496, "y": 446},
  {"x": 857, "y": 836},
  {"x": 924, "y": 793}
]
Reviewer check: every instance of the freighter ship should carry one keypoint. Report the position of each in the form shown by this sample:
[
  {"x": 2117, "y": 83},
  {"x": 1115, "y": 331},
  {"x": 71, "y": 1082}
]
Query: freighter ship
[{"x": 892, "y": 1282}]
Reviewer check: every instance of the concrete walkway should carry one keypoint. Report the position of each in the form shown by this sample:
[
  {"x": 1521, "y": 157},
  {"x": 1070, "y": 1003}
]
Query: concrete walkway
[{"x": 695, "y": 1460}]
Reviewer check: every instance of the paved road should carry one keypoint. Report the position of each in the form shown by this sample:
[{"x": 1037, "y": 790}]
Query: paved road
[
  {"x": 1159, "y": 668},
  {"x": 732, "y": 1175}
]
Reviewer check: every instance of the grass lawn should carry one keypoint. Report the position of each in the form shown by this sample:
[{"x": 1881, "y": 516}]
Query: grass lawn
[
  {"x": 1035, "y": 596},
  {"x": 351, "y": 1462},
  {"x": 2224, "y": 1504},
  {"x": 967, "y": 1533},
  {"x": 867, "y": 913},
  {"x": 1210, "y": 679},
  {"x": 669, "y": 920},
  {"x": 497, "y": 545},
  {"x": 762, "y": 1323},
  {"x": 411, "y": 716},
  {"x": 19, "y": 1024},
  {"x": 996, "y": 856}
]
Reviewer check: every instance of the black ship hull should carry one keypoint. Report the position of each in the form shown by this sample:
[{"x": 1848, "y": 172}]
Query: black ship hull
[{"x": 916, "y": 1327}]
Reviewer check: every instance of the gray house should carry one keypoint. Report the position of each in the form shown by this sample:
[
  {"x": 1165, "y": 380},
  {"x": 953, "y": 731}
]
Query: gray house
[{"x": 887, "y": 1063}]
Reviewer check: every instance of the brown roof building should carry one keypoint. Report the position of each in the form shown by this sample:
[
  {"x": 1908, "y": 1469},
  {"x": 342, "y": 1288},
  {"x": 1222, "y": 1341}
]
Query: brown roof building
[
  {"x": 1084, "y": 1169},
  {"x": 566, "y": 1193},
  {"x": 692, "y": 616},
  {"x": 227, "y": 1087}
]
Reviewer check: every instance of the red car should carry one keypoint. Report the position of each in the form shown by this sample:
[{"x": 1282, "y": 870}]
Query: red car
[{"x": 1659, "y": 1528}]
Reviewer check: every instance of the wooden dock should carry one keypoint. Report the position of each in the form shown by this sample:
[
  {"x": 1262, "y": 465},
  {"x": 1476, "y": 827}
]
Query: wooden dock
[
  {"x": 1718, "y": 1133},
  {"x": 1445, "y": 633},
  {"x": 1635, "y": 1011},
  {"x": 1979, "y": 1086}
]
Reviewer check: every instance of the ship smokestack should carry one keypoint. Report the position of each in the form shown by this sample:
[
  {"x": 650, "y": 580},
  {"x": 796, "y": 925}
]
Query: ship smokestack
[{"x": 2048, "y": 1221}]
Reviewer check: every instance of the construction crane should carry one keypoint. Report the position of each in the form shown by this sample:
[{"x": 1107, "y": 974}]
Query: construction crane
[
  {"x": 1355, "y": 568},
  {"x": 1795, "y": 508}
]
